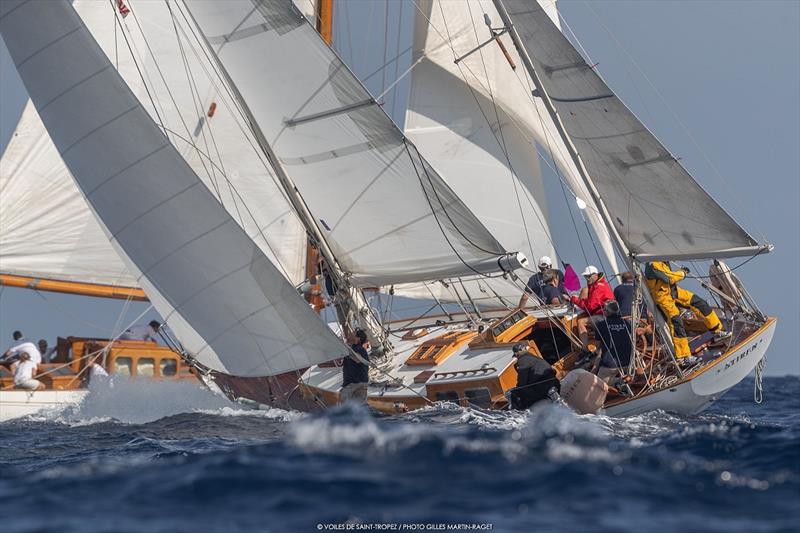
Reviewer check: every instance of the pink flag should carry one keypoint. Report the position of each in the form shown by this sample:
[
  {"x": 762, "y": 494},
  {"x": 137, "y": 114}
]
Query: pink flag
[{"x": 571, "y": 280}]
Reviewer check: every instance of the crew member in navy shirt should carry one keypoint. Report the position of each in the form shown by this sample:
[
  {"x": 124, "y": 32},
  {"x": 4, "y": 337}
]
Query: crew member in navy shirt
[
  {"x": 615, "y": 342},
  {"x": 355, "y": 373},
  {"x": 624, "y": 294}
]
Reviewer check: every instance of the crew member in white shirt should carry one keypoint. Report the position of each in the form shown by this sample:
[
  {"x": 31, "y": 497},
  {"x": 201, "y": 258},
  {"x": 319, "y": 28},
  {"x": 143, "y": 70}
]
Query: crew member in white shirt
[
  {"x": 142, "y": 333},
  {"x": 21, "y": 344},
  {"x": 23, "y": 375}
]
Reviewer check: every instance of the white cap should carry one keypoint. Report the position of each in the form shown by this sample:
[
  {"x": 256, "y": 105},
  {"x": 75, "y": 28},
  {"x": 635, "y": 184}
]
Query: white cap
[
  {"x": 545, "y": 261},
  {"x": 591, "y": 269}
]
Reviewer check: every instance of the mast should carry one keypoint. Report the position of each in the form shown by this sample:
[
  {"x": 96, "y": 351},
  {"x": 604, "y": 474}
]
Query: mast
[{"x": 324, "y": 25}]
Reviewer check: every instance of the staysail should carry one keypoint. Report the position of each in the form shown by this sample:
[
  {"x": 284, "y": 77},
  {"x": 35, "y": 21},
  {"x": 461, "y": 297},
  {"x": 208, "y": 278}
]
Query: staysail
[
  {"x": 494, "y": 117},
  {"x": 657, "y": 208},
  {"x": 385, "y": 212},
  {"x": 46, "y": 229},
  {"x": 216, "y": 289}
]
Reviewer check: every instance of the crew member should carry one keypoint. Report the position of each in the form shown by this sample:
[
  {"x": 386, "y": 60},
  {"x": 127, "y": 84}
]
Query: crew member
[
  {"x": 663, "y": 284},
  {"x": 592, "y": 298},
  {"x": 355, "y": 372},
  {"x": 142, "y": 333},
  {"x": 536, "y": 281},
  {"x": 23, "y": 374},
  {"x": 625, "y": 293},
  {"x": 48, "y": 353},
  {"x": 20, "y": 345},
  {"x": 535, "y": 378},
  {"x": 615, "y": 338},
  {"x": 552, "y": 292}
]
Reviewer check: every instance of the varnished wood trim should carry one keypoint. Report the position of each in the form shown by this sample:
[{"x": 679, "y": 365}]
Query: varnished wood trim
[{"x": 73, "y": 287}]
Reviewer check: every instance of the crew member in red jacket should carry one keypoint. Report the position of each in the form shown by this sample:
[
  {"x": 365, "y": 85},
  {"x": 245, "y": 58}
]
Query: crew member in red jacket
[{"x": 592, "y": 299}]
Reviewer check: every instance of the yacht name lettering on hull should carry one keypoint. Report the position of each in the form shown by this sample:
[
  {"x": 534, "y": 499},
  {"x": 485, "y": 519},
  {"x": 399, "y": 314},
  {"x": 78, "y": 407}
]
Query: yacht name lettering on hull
[{"x": 741, "y": 356}]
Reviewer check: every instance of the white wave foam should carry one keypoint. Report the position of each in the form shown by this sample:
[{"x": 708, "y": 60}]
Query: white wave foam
[{"x": 144, "y": 400}]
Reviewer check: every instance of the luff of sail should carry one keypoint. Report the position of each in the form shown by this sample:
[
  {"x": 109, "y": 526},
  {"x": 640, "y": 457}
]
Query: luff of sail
[
  {"x": 657, "y": 208},
  {"x": 47, "y": 230},
  {"x": 385, "y": 212},
  {"x": 227, "y": 302},
  {"x": 446, "y": 31}
]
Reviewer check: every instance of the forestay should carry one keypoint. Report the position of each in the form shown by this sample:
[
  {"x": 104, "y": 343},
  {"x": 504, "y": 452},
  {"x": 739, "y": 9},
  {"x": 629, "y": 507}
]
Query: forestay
[
  {"x": 473, "y": 116},
  {"x": 215, "y": 287},
  {"x": 48, "y": 230},
  {"x": 657, "y": 207},
  {"x": 385, "y": 212}
]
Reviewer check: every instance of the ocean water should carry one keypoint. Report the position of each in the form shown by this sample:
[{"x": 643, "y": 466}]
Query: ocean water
[{"x": 173, "y": 457}]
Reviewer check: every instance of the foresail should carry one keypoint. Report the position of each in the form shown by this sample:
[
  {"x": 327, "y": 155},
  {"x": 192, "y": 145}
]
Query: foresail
[
  {"x": 223, "y": 297},
  {"x": 385, "y": 212},
  {"x": 658, "y": 209},
  {"x": 490, "y": 106}
]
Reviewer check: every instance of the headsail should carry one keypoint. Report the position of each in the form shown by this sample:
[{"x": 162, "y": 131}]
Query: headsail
[
  {"x": 223, "y": 297},
  {"x": 658, "y": 209},
  {"x": 482, "y": 89},
  {"x": 385, "y": 212}
]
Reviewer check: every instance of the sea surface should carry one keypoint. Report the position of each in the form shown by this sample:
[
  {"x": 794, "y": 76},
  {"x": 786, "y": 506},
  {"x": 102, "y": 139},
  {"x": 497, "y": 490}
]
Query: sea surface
[{"x": 152, "y": 457}]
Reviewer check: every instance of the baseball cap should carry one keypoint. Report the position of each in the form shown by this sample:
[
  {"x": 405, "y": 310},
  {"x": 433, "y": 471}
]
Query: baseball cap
[{"x": 591, "y": 269}]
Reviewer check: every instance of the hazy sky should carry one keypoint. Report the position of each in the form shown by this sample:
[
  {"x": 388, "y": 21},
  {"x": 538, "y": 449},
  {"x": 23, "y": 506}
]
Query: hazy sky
[{"x": 726, "y": 78}]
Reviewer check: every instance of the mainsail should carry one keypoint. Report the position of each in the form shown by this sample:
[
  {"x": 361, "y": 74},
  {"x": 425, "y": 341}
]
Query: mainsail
[
  {"x": 657, "y": 208},
  {"x": 214, "y": 286},
  {"x": 385, "y": 212},
  {"x": 46, "y": 229},
  {"x": 49, "y": 232},
  {"x": 490, "y": 121}
]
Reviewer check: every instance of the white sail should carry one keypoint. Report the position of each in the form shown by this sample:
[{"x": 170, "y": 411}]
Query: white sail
[
  {"x": 48, "y": 230},
  {"x": 658, "y": 209},
  {"x": 386, "y": 213},
  {"x": 468, "y": 98},
  {"x": 220, "y": 293}
]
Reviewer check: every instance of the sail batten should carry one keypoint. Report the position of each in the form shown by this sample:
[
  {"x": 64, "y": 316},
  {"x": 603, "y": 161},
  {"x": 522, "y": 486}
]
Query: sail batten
[
  {"x": 655, "y": 206},
  {"x": 384, "y": 211},
  {"x": 216, "y": 289}
]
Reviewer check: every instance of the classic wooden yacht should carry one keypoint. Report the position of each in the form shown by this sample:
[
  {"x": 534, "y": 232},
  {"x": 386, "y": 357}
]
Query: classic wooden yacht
[
  {"x": 474, "y": 367},
  {"x": 66, "y": 377},
  {"x": 223, "y": 161}
]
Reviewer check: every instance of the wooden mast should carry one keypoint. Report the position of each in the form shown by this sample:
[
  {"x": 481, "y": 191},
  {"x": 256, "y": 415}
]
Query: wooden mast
[
  {"x": 324, "y": 26},
  {"x": 73, "y": 287}
]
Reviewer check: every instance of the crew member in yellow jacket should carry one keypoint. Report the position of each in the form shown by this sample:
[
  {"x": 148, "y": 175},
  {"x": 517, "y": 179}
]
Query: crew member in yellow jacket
[{"x": 663, "y": 284}]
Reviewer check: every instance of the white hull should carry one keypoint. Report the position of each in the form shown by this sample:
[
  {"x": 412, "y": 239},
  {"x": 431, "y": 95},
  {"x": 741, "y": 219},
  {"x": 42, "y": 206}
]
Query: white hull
[
  {"x": 696, "y": 392},
  {"x": 19, "y": 403}
]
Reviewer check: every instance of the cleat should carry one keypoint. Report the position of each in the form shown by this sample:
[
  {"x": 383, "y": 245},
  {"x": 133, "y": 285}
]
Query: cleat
[
  {"x": 685, "y": 362},
  {"x": 722, "y": 335}
]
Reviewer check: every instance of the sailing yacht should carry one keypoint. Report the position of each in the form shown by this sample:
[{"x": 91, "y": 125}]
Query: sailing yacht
[{"x": 222, "y": 159}]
